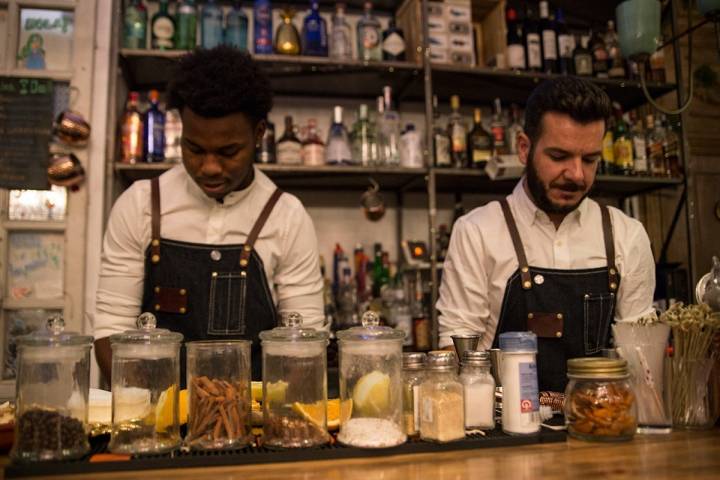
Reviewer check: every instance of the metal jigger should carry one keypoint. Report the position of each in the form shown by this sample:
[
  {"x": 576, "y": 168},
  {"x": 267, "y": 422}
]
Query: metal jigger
[{"x": 463, "y": 343}]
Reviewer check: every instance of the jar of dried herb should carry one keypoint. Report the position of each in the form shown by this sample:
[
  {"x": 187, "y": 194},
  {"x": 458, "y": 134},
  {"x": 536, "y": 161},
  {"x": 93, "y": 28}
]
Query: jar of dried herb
[{"x": 442, "y": 406}]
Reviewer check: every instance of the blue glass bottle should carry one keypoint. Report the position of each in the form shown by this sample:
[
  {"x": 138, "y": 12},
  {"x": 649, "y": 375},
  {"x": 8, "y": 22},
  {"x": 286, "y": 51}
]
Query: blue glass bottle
[
  {"x": 154, "y": 134},
  {"x": 314, "y": 33},
  {"x": 211, "y": 25},
  {"x": 262, "y": 23},
  {"x": 236, "y": 28}
]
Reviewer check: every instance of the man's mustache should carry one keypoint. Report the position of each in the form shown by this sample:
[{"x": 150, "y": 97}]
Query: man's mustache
[{"x": 569, "y": 187}]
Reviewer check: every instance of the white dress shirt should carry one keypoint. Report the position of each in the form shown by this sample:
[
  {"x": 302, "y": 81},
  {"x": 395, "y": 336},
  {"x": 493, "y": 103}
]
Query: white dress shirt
[
  {"x": 481, "y": 258},
  {"x": 287, "y": 244}
]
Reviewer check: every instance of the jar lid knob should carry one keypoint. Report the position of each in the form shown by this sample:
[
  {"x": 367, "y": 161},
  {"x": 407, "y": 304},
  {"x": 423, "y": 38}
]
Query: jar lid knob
[
  {"x": 146, "y": 321},
  {"x": 55, "y": 324},
  {"x": 292, "y": 320},
  {"x": 370, "y": 319}
]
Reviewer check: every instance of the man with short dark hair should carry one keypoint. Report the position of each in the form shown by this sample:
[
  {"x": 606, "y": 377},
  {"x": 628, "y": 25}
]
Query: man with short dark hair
[
  {"x": 212, "y": 248},
  {"x": 546, "y": 258}
]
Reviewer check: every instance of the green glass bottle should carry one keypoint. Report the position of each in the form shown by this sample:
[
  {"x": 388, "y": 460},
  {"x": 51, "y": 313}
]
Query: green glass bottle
[
  {"x": 135, "y": 25},
  {"x": 162, "y": 28},
  {"x": 186, "y": 20}
]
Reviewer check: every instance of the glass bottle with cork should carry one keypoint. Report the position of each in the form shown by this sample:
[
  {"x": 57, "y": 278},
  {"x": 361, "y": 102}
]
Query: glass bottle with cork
[{"x": 442, "y": 405}]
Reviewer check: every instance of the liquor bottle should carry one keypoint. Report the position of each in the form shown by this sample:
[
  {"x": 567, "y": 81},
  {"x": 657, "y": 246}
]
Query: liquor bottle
[
  {"x": 314, "y": 33},
  {"x": 266, "y": 152},
  {"x": 533, "y": 48},
  {"x": 262, "y": 26},
  {"x": 364, "y": 139},
  {"x": 582, "y": 58},
  {"x": 411, "y": 148},
  {"x": 288, "y": 149},
  {"x": 313, "y": 149},
  {"x": 173, "y": 136},
  {"x": 389, "y": 131},
  {"x": 639, "y": 139},
  {"x": 162, "y": 28},
  {"x": 600, "y": 55},
  {"x": 441, "y": 139},
  {"x": 287, "y": 38},
  {"x": 132, "y": 131},
  {"x": 186, "y": 20},
  {"x": 368, "y": 36},
  {"x": 655, "y": 140},
  {"x": 622, "y": 146},
  {"x": 236, "y": 27},
  {"x": 135, "y": 25},
  {"x": 420, "y": 318},
  {"x": 513, "y": 129},
  {"x": 549, "y": 39},
  {"x": 458, "y": 135},
  {"x": 154, "y": 130},
  {"x": 497, "y": 127},
  {"x": 337, "y": 150},
  {"x": 607, "y": 165},
  {"x": 671, "y": 150},
  {"x": 211, "y": 25},
  {"x": 340, "y": 35},
  {"x": 377, "y": 271},
  {"x": 615, "y": 59},
  {"x": 480, "y": 143},
  {"x": 393, "y": 44},
  {"x": 515, "y": 41},
  {"x": 566, "y": 44},
  {"x": 347, "y": 301}
]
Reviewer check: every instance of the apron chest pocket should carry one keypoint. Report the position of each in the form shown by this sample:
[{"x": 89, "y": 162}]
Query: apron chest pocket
[
  {"x": 226, "y": 309},
  {"x": 598, "y": 313}
]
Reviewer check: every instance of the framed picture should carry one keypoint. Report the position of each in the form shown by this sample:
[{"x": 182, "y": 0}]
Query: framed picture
[
  {"x": 46, "y": 39},
  {"x": 35, "y": 265},
  {"x": 38, "y": 205}
]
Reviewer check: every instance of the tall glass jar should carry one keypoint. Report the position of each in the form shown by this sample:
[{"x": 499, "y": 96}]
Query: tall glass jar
[
  {"x": 371, "y": 385},
  {"x": 145, "y": 384},
  {"x": 51, "y": 403},
  {"x": 412, "y": 376},
  {"x": 218, "y": 380},
  {"x": 599, "y": 401},
  {"x": 442, "y": 405},
  {"x": 479, "y": 390},
  {"x": 294, "y": 385}
]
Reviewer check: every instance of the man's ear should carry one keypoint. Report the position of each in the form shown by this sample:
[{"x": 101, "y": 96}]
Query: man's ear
[
  {"x": 259, "y": 132},
  {"x": 523, "y": 146}
]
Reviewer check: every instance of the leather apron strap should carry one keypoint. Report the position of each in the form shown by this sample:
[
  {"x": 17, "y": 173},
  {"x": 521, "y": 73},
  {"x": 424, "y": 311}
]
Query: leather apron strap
[
  {"x": 155, "y": 220},
  {"x": 609, "y": 248},
  {"x": 517, "y": 244},
  {"x": 259, "y": 224}
]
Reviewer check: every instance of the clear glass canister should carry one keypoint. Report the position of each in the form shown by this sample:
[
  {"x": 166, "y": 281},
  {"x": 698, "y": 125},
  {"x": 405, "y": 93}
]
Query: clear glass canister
[
  {"x": 442, "y": 407},
  {"x": 412, "y": 376},
  {"x": 145, "y": 384},
  {"x": 53, "y": 381},
  {"x": 479, "y": 390},
  {"x": 371, "y": 385},
  {"x": 599, "y": 401},
  {"x": 219, "y": 399},
  {"x": 294, "y": 385}
]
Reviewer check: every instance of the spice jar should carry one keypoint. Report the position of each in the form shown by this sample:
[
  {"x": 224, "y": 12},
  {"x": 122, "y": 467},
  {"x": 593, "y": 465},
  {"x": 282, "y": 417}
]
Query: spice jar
[
  {"x": 442, "y": 406},
  {"x": 294, "y": 385},
  {"x": 218, "y": 379},
  {"x": 53, "y": 381},
  {"x": 599, "y": 401},
  {"x": 479, "y": 390},
  {"x": 518, "y": 371},
  {"x": 145, "y": 384},
  {"x": 412, "y": 376},
  {"x": 371, "y": 385}
]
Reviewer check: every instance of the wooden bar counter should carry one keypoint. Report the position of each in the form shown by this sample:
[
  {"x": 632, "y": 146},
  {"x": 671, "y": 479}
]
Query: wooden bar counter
[{"x": 682, "y": 454}]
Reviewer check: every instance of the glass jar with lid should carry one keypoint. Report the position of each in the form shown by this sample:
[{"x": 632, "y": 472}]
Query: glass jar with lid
[
  {"x": 294, "y": 385},
  {"x": 442, "y": 410},
  {"x": 479, "y": 390},
  {"x": 218, "y": 380},
  {"x": 599, "y": 401},
  {"x": 412, "y": 375},
  {"x": 51, "y": 403},
  {"x": 145, "y": 384},
  {"x": 371, "y": 385}
]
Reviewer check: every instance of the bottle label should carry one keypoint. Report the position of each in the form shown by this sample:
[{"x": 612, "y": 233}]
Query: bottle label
[
  {"x": 442, "y": 150},
  {"x": 289, "y": 153},
  {"x": 458, "y": 139},
  {"x": 394, "y": 45},
  {"x": 640, "y": 151},
  {"x": 516, "y": 56},
  {"x": 313, "y": 154},
  {"x": 416, "y": 406},
  {"x": 529, "y": 398},
  {"x": 480, "y": 155},
  {"x": 583, "y": 65},
  {"x": 607, "y": 148},
  {"x": 533, "y": 51},
  {"x": 549, "y": 45},
  {"x": 622, "y": 152},
  {"x": 340, "y": 43},
  {"x": 163, "y": 31},
  {"x": 370, "y": 38},
  {"x": 498, "y": 136},
  {"x": 566, "y": 45}
]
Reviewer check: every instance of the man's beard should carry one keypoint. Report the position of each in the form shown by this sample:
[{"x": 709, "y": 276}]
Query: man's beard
[{"x": 540, "y": 193}]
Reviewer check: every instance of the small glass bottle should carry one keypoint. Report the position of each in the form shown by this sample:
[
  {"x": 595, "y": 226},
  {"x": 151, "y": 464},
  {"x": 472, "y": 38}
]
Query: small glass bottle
[
  {"x": 413, "y": 374},
  {"x": 236, "y": 27},
  {"x": 154, "y": 138},
  {"x": 364, "y": 139},
  {"x": 480, "y": 142},
  {"x": 369, "y": 36},
  {"x": 186, "y": 22},
  {"x": 582, "y": 58},
  {"x": 314, "y": 33},
  {"x": 211, "y": 24},
  {"x": 135, "y": 25},
  {"x": 411, "y": 148},
  {"x": 289, "y": 146},
  {"x": 163, "y": 28},
  {"x": 132, "y": 131},
  {"x": 337, "y": 149},
  {"x": 442, "y": 407},
  {"x": 479, "y": 390},
  {"x": 393, "y": 44},
  {"x": 340, "y": 35},
  {"x": 287, "y": 38},
  {"x": 458, "y": 135},
  {"x": 262, "y": 26},
  {"x": 389, "y": 131},
  {"x": 441, "y": 139},
  {"x": 313, "y": 149},
  {"x": 266, "y": 152}
]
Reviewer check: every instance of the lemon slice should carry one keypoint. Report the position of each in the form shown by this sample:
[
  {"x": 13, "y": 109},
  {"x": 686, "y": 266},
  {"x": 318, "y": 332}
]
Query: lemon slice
[
  {"x": 371, "y": 395},
  {"x": 164, "y": 411},
  {"x": 337, "y": 412},
  {"x": 256, "y": 391},
  {"x": 275, "y": 392}
]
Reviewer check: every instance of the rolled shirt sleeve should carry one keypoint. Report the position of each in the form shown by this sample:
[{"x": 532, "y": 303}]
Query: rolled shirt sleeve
[{"x": 637, "y": 282}]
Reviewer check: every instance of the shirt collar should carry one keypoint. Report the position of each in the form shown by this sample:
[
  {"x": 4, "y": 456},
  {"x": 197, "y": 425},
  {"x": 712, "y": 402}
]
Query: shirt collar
[
  {"x": 530, "y": 213},
  {"x": 231, "y": 198}
]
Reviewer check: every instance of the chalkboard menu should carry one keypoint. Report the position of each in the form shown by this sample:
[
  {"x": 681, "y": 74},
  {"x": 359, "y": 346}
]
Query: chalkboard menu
[{"x": 26, "y": 119}]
